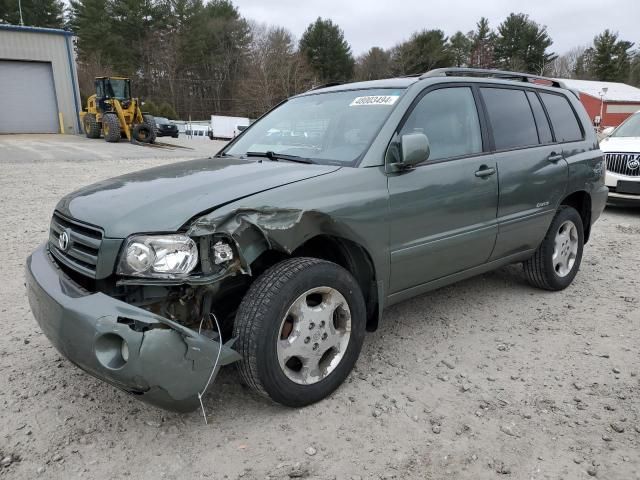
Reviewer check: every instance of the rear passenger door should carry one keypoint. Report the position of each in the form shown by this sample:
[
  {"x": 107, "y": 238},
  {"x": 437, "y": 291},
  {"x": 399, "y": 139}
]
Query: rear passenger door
[
  {"x": 532, "y": 171},
  {"x": 443, "y": 212}
]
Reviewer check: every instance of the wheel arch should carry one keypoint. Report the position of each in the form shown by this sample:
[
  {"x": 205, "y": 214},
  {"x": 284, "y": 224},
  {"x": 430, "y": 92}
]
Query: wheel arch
[
  {"x": 581, "y": 201},
  {"x": 350, "y": 255},
  {"x": 265, "y": 236}
]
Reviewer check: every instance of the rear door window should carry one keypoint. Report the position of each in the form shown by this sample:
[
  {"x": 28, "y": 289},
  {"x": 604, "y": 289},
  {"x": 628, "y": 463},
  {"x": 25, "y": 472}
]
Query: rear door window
[
  {"x": 563, "y": 118},
  {"x": 449, "y": 119},
  {"x": 544, "y": 131},
  {"x": 511, "y": 118}
]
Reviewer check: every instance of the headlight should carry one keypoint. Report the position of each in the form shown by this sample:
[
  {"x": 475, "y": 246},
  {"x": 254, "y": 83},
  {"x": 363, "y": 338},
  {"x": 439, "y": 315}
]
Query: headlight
[{"x": 162, "y": 256}]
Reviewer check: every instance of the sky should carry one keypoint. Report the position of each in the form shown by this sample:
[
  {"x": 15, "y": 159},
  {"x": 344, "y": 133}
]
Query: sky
[{"x": 368, "y": 23}]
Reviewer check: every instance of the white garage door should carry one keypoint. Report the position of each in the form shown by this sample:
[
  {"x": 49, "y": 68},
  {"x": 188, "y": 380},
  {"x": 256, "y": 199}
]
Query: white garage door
[{"x": 27, "y": 98}]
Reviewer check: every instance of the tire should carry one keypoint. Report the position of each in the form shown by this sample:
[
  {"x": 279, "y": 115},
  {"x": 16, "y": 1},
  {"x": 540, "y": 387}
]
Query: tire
[
  {"x": 142, "y": 133},
  {"x": 111, "y": 127},
  {"x": 175, "y": 136},
  {"x": 150, "y": 121},
  {"x": 542, "y": 270},
  {"x": 91, "y": 126},
  {"x": 263, "y": 317}
]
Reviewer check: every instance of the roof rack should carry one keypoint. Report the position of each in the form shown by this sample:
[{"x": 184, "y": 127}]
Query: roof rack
[
  {"x": 325, "y": 85},
  {"x": 482, "y": 72}
]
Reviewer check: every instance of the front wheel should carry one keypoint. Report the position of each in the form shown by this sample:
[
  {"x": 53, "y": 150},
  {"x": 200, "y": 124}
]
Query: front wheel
[
  {"x": 111, "y": 127},
  {"x": 300, "y": 328},
  {"x": 557, "y": 260}
]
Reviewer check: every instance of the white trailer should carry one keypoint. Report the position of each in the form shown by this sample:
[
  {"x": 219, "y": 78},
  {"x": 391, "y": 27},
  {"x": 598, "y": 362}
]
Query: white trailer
[{"x": 226, "y": 127}]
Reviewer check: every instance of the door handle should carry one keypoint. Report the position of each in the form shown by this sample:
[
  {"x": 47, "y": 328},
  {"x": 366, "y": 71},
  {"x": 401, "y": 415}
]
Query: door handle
[
  {"x": 485, "y": 171},
  {"x": 555, "y": 157}
]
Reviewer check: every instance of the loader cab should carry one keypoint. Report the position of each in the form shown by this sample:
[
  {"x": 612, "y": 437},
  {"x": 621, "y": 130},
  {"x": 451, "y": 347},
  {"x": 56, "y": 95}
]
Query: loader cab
[{"x": 112, "y": 87}]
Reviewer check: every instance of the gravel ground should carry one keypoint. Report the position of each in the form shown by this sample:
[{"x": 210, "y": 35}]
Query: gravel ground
[{"x": 488, "y": 378}]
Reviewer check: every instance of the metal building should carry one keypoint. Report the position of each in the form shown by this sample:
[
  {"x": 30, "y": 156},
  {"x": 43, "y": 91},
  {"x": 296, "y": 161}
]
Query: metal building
[{"x": 38, "y": 81}]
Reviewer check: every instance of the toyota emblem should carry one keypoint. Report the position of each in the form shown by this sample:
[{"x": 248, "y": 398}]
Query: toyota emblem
[
  {"x": 633, "y": 163},
  {"x": 63, "y": 241}
]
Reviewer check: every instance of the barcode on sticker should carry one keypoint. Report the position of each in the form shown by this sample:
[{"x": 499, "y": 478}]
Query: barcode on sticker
[{"x": 375, "y": 100}]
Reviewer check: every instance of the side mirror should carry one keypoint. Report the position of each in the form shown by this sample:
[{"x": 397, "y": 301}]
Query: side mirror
[{"x": 415, "y": 149}]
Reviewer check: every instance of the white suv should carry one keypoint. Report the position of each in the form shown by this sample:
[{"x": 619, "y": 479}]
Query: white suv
[{"x": 622, "y": 152}]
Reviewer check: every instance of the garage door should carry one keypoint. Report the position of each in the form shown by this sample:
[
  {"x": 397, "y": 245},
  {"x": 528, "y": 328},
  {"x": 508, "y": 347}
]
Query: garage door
[{"x": 27, "y": 98}]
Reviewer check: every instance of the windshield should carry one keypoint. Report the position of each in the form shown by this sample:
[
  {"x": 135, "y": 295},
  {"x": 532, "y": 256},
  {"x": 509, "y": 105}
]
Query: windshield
[
  {"x": 162, "y": 120},
  {"x": 332, "y": 128},
  {"x": 630, "y": 128},
  {"x": 118, "y": 89}
]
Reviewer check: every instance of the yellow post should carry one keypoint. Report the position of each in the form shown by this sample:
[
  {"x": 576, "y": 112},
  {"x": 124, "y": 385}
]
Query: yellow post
[{"x": 61, "y": 119}]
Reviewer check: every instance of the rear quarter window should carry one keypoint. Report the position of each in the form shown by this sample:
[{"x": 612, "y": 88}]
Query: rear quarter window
[
  {"x": 563, "y": 118},
  {"x": 511, "y": 118}
]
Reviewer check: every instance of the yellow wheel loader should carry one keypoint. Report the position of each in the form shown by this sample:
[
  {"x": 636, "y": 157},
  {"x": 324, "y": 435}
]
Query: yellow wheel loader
[{"x": 115, "y": 114}]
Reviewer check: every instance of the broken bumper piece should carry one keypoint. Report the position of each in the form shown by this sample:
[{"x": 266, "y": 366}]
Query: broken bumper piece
[{"x": 158, "y": 360}]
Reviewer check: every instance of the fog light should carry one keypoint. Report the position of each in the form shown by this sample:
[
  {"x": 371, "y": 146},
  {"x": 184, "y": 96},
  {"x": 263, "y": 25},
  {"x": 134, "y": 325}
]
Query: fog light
[
  {"x": 222, "y": 252},
  {"x": 124, "y": 351}
]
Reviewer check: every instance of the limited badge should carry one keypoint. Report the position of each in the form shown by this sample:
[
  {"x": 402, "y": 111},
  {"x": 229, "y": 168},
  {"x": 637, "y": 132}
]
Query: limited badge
[{"x": 374, "y": 100}]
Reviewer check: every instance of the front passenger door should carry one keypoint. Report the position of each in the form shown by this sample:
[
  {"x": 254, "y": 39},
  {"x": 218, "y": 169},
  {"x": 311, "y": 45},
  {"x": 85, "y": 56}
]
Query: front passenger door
[{"x": 443, "y": 212}]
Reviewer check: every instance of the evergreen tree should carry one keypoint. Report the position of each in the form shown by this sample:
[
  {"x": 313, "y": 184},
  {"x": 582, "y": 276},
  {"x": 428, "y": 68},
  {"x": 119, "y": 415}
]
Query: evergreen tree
[
  {"x": 521, "y": 45},
  {"x": 483, "y": 40},
  {"x": 460, "y": 46},
  {"x": 610, "y": 59},
  {"x": 35, "y": 13},
  {"x": 634, "y": 70},
  {"x": 374, "y": 64},
  {"x": 90, "y": 20},
  {"x": 327, "y": 51},
  {"x": 424, "y": 51}
]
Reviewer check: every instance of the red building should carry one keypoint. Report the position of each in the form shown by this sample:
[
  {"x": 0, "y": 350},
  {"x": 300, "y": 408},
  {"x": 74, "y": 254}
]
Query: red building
[{"x": 613, "y": 101}]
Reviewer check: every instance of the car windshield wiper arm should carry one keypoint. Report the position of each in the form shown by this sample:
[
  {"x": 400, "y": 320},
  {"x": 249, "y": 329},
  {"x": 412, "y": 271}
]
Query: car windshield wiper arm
[{"x": 271, "y": 155}]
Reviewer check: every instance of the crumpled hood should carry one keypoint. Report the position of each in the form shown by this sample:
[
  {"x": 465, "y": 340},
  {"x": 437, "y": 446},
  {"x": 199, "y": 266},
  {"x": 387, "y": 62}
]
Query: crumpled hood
[
  {"x": 163, "y": 199},
  {"x": 620, "y": 144}
]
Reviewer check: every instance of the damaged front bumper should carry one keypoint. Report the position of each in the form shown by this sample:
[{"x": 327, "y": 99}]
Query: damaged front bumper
[{"x": 156, "y": 359}]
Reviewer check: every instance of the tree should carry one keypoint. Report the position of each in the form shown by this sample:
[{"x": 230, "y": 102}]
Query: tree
[
  {"x": 327, "y": 51},
  {"x": 521, "y": 45},
  {"x": 374, "y": 64},
  {"x": 460, "y": 47},
  {"x": 274, "y": 70},
  {"x": 424, "y": 51},
  {"x": 567, "y": 65},
  {"x": 35, "y": 13},
  {"x": 634, "y": 70},
  {"x": 610, "y": 57},
  {"x": 483, "y": 39}
]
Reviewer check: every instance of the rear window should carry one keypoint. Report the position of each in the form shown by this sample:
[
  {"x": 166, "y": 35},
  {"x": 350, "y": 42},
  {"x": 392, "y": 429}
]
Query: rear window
[
  {"x": 563, "y": 118},
  {"x": 511, "y": 118},
  {"x": 544, "y": 131}
]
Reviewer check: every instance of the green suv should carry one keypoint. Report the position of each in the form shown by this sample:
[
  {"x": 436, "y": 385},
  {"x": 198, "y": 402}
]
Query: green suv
[{"x": 282, "y": 250}]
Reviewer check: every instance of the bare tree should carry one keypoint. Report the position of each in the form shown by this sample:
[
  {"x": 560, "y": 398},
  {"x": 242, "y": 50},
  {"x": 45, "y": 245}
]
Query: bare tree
[
  {"x": 565, "y": 65},
  {"x": 273, "y": 71}
]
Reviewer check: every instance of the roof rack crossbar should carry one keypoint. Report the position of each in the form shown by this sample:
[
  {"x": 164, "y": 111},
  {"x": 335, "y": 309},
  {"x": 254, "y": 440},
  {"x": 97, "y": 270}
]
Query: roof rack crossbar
[
  {"x": 482, "y": 72},
  {"x": 325, "y": 85}
]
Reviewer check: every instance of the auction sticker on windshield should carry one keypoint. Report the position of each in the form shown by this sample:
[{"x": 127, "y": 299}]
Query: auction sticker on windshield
[{"x": 375, "y": 100}]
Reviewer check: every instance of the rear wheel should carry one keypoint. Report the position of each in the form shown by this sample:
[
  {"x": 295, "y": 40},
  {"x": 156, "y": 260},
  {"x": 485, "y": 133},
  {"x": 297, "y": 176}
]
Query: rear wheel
[
  {"x": 300, "y": 328},
  {"x": 91, "y": 126},
  {"x": 150, "y": 122},
  {"x": 557, "y": 260},
  {"x": 111, "y": 127}
]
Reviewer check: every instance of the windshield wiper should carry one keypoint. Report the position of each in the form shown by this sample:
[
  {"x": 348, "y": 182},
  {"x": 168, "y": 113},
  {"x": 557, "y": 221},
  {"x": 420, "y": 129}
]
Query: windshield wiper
[{"x": 274, "y": 157}]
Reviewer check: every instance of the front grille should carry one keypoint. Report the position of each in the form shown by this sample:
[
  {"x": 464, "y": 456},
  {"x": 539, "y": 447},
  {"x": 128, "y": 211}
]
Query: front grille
[
  {"x": 619, "y": 163},
  {"x": 83, "y": 247}
]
